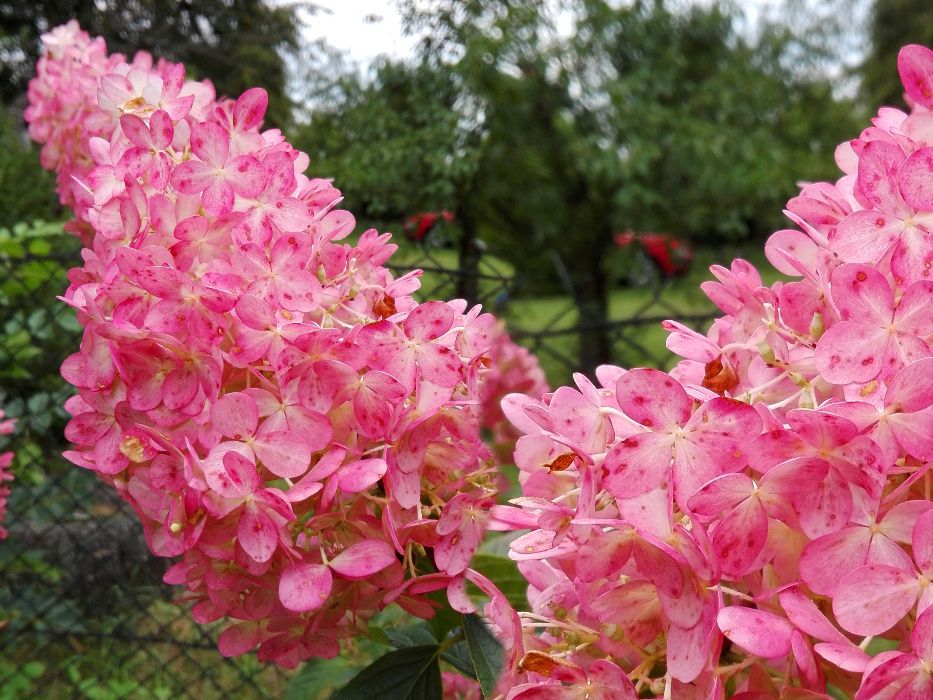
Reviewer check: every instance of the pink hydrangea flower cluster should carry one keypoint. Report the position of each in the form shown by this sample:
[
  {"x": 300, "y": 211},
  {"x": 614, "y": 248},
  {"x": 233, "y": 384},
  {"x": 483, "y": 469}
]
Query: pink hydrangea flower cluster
[
  {"x": 275, "y": 406},
  {"x": 746, "y": 524},
  {"x": 6, "y": 459}
]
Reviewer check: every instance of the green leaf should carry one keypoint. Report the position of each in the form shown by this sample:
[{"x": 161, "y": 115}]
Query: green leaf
[
  {"x": 503, "y": 572},
  {"x": 485, "y": 652},
  {"x": 419, "y": 634},
  {"x": 317, "y": 677},
  {"x": 445, "y": 618},
  {"x": 412, "y": 673},
  {"x": 458, "y": 656}
]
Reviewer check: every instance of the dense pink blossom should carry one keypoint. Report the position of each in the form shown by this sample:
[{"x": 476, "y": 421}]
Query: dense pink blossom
[
  {"x": 744, "y": 524},
  {"x": 276, "y": 407}
]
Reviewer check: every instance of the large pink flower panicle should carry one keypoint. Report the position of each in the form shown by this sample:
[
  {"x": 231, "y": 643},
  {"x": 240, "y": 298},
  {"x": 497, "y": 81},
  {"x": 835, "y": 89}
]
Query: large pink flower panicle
[
  {"x": 747, "y": 524},
  {"x": 6, "y": 459},
  {"x": 279, "y": 411}
]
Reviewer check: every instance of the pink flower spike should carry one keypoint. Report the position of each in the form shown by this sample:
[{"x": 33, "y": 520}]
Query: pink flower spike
[
  {"x": 363, "y": 559},
  {"x": 305, "y": 587}
]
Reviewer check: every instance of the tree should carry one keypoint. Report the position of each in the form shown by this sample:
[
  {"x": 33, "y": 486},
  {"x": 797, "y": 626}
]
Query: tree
[
  {"x": 237, "y": 44},
  {"x": 892, "y": 24}
]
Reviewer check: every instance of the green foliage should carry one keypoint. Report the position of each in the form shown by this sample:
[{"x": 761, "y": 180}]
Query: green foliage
[
  {"x": 237, "y": 44},
  {"x": 893, "y": 24},
  {"x": 485, "y": 652},
  {"x": 27, "y": 192},
  {"x": 410, "y": 673}
]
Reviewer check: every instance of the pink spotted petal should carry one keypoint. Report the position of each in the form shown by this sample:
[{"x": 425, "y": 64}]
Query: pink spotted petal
[
  {"x": 439, "y": 365},
  {"x": 604, "y": 555},
  {"x": 916, "y": 179},
  {"x": 724, "y": 428},
  {"x": 757, "y": 631},
  {"x": 897, "y": 669},
  {"x": 242, "y": 472},
  {"x": 305, "y": 587},
  {"x": 827, "y": 559},
  {"x": 851, "y": 352},
  {"x": 653, "y": 398},
  {"x": 210, "y": 143},
  {"x": 678, "y": 589},
  {"x": 637, "y": 464},
  {"x": 845, "y": 655},
  {"x": 162, "y": 128},
  {"x": 915, "y": 66},
  {"x": 914, "y": 432},
  {"x": 642, "y": 620},
  {"x": 250, "y": 109},
  {"x": 257, "y": 535},
  {"x": 877, "y": 183},
  {"x": 239, "y": 638},
  {"x": 136, "y": 130},
  {"x": 740, "y": 537},
  {"x": 688, "y": 650},
  {"x": 721, "y": 495},
  {"x": 246, "y": 176},
  {"x": 298, "y": 290},
  {"x": 363, "y": 559},
  {"x": 921, "y": 637},
  {"x": 806, "y": 616},
  {"x": 788, "y": 249},
  {"x": 283, "y": 453},
  {"x": 606, "y": 681},
  {"x": 922, "y": 542},
  {"x": 913, "y": 310},
  {"x": 861, "y": 293},
  {"x": 864, "y": 236},
  {"x": 289, "y": 214},
  {"x": 360, "y": 475},
  {"x": 824, "y": 507},
  {"x": 911, "y": 389},
  {"x": 217, "y": 197},
  {"x": 576, "y": 418},
  {"x": 873, "y": 598},
  {"x": 235, "y": 415},
  {"x": 428, "y": 321}
]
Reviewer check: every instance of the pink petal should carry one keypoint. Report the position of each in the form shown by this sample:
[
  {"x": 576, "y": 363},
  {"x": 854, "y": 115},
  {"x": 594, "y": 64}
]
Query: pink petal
[
  {"x": 363, "y": 559},
  {"x": 740, "y": 537},
  {"x": 242, "y": 472},
  {"x": 851, "y": 352},
  {"x": 913, "y": 310},
  {"x": 217, "y": 197},
  {"x": 439, "y": 364},
  {"x": 757, "y": 631},
  {"x": 827, "y": 559},
  {"x": 360, "y": 475},
  {"x": 192, "y": 177},
  {"x": 794, "y": 245},
  {"x": 873, "y": 598},
  {"x": 922, "y": 542},
  {"x": 162, "y": 129},
  {"x": 257, "y": 534},
  {"x": 916, "y": 179},
  {"x": 845, "y": 655},
  {"x": 688, "y": 650},
  {"x": 239, "y": 638},
  {"x": 678, "y": 589},
  {"x": 862, "y": 294},
  {"x": 289, "y": 214},
  {"x": 824, "y": 507},
  {"x": 637, "y": 464},
  {"x": 136, "y": 130},
  {"x": 653, "y": 398},
  {"x": 911, "y": 389},
  {"x": 915, "y": 66},
  {"x": 304, "y": 587},
  {"x": 641, "y": 622},
  {"x": 576, "y": 418},
  {"x": 806, "y": 616},
  {"x": 250, "y": 109},
  {"x": 876, "y": 186},
  {"x": 428, "y": 321},
  {"x": 210, "y": 143},
  {"x": 246, "y": 176},
  {"x": 722, "y": 494},
  {"x": 298, "y": 290},
  {"x": 235, "y": 415},
  {"x": 603, "y": 555},
  {"x": 724, "y": 428},
  {"x": 864, "y": 236},
  {"x": 914, "y": 433},
  {"x": 283, "y": 453},
  {"x": 255, "y": 313},
  {"x": 921, "y": 637}
]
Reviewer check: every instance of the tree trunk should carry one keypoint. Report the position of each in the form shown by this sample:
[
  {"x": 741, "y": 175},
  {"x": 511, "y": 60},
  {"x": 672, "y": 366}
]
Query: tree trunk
[
  {"x": 469, "y": 256},
  {"x": 592, "y": 300}
]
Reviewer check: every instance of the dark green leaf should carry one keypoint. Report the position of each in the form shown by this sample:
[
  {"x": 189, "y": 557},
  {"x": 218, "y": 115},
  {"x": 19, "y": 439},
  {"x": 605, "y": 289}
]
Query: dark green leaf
[
  {"x": 317, "y": 677},
  {"x": 503, "y": 572},
  {"x": 418, "y": 634},
  {"x": 445, "y": 618},
  {"x": 485, "y": 652},
  {"x": 412, "y": 673},
  {"x": 458, "y": 656}
]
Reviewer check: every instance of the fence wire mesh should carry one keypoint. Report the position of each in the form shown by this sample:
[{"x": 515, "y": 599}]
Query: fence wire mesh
[{"x": 84, "y": 613}]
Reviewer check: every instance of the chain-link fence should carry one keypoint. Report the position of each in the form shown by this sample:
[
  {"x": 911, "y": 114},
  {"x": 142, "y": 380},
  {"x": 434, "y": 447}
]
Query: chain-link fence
[{"x": 84, "y": 612}]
